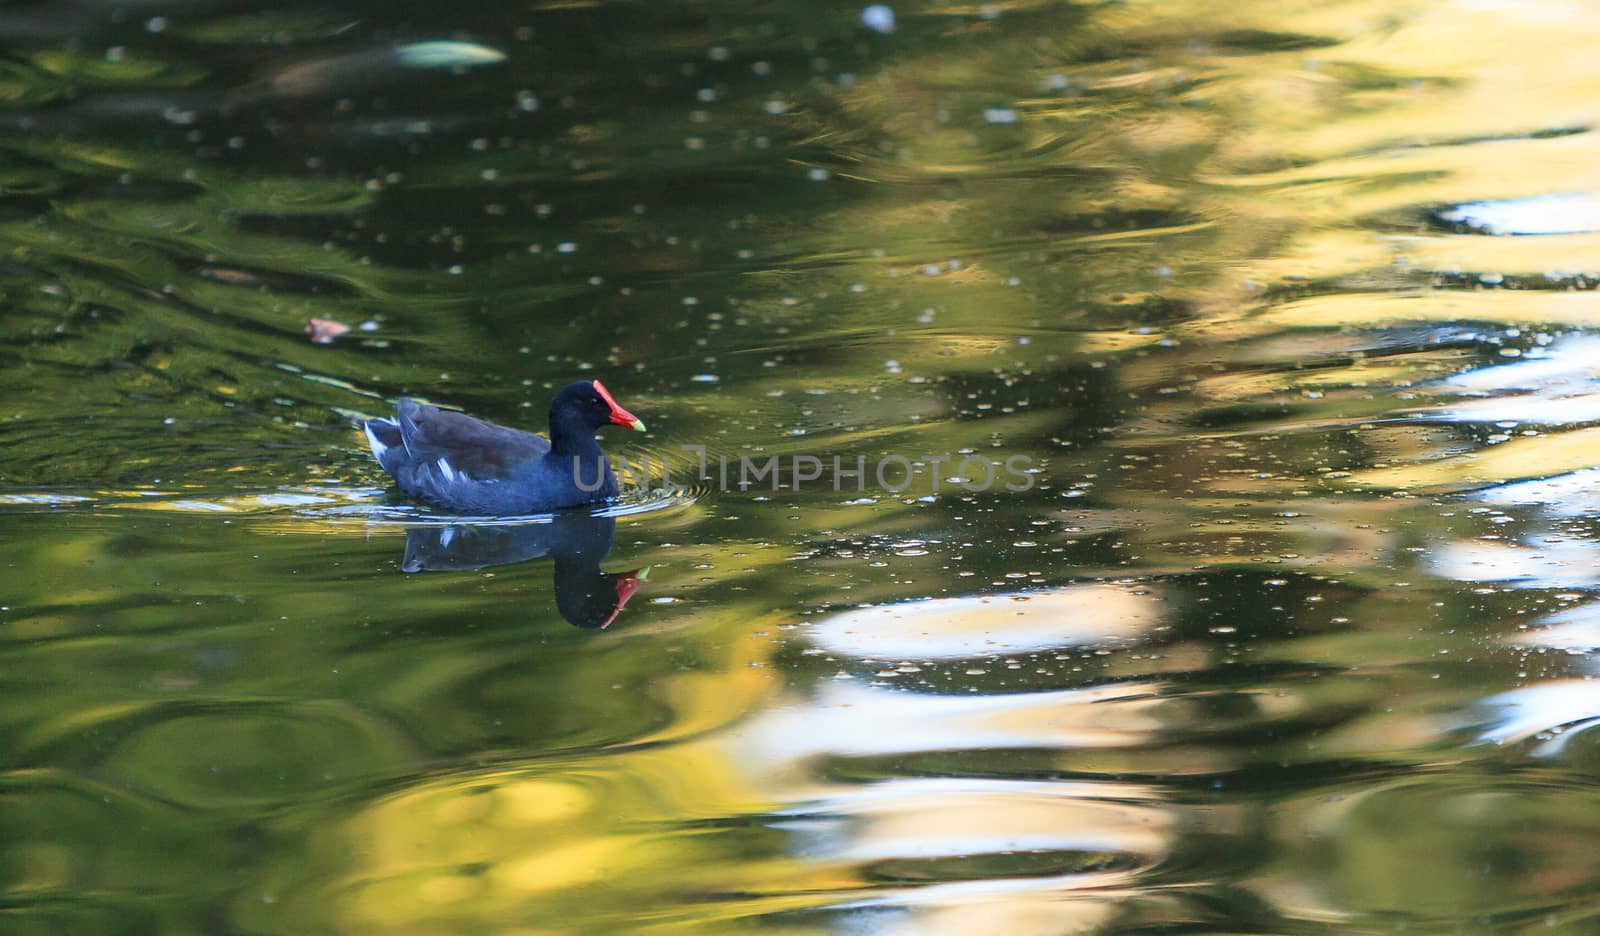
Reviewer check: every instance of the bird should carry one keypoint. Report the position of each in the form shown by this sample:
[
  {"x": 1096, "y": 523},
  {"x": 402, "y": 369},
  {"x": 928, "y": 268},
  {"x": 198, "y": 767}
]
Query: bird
[
  {"x": 575, "y": 542},
  {"x": 471, "y": 466}
]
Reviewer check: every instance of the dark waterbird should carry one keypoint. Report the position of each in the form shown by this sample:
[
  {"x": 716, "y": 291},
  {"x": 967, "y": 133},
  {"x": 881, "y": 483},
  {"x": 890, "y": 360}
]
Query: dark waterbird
[
  {"x": 470, "y": 466},
  {"x": 575, "y": 542}
]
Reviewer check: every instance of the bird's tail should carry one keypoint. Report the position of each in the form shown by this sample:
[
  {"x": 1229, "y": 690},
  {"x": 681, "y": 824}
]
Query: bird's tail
[{"x": 383, "y": 436}]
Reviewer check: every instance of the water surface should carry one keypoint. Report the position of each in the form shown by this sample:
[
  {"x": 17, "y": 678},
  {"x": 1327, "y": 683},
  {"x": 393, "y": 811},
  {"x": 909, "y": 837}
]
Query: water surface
[{"x": 1289, "y": 307}]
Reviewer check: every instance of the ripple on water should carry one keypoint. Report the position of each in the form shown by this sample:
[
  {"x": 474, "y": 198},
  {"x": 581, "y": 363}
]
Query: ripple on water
[
  {"x": 1436, "y": 846},
  {"x": 218, "y": 770},
  {"x": 963, "y": 849},
  {"x": 631, "y": 503},
  {"x": 944, "y": 854},
  {"x": 48, "y": 807},
  {"x": 321, "y": 508}
]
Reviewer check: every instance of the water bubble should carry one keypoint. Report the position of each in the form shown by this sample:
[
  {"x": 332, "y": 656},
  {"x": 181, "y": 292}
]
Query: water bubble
[{"x": 879, "y": 17}]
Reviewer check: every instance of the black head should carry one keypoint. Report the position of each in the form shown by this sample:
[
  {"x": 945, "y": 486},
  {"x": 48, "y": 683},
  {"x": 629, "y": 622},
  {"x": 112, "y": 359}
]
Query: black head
[{"x": 589, "y": 404}]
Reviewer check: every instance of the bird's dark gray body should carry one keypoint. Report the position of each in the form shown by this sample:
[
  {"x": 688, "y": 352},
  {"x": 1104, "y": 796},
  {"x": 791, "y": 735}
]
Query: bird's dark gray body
[{"x": 471, "y": 466}]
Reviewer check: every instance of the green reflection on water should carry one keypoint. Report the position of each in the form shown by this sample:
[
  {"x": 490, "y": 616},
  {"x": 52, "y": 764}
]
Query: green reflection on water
[{"x": 1250, "y": 654}]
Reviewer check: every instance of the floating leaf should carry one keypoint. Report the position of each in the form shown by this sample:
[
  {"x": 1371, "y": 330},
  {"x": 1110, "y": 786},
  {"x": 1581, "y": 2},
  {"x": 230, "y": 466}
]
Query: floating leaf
[{"x": 323, "y": 331}]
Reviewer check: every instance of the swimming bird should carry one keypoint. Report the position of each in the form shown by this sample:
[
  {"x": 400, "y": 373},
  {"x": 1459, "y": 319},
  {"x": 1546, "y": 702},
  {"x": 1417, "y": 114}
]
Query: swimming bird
[{"x": 471, "y": 466}]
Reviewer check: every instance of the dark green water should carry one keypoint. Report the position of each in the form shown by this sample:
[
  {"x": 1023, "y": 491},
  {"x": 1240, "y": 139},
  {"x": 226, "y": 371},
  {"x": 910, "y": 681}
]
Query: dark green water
[{"x": 1288, "y": 307}]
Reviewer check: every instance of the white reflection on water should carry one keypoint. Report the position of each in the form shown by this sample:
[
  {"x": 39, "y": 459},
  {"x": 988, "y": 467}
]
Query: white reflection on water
[
  {"x": 1543, "y": 214},
  {"x": 1551, "y": 710},
  {"x": 1544, "y": 409},
  {"x": 849, "y": 720},
  {"x": 1539, "y": 562},
  {"x": 956, "y": 816},
  {"x": 1573, "y": 361},
  {"x": 1574, "y": 630},
  {"x": 1053, "y": 855},
  {"x": 1018, "y": 906},
  {"x": 960, "y": 628},
  {"x": 1556, "y": 709},
  {"x": 1574, "y": 494},
  {"x": 1557, "y": 385}
]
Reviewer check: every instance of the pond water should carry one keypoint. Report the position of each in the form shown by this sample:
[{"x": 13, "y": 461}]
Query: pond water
[{"x": 1279, "y": 319}]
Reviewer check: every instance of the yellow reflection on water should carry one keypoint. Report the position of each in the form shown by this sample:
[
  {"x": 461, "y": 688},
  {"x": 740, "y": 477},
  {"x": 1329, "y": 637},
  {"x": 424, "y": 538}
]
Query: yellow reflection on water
[{"x": 1291, "y": 162}]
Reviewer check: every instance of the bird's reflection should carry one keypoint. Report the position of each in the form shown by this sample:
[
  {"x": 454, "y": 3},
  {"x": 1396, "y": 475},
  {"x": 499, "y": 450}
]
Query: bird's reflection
[{"x": 576, "y": 542}]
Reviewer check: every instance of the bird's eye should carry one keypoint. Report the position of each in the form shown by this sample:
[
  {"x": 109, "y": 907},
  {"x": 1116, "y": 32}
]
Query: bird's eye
[{"x": 595, "y": 400}]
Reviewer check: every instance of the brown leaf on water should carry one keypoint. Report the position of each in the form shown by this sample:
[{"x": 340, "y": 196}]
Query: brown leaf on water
[{"x": 323, "y": 331}]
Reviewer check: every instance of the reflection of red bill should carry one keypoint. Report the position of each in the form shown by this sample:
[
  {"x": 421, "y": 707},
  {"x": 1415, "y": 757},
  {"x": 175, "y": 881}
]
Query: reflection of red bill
[{"x": 627, "y": 583}]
